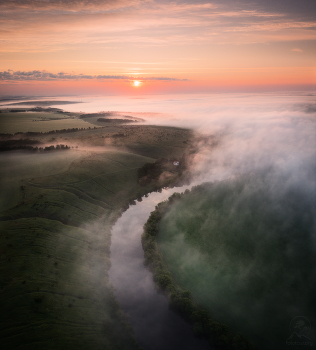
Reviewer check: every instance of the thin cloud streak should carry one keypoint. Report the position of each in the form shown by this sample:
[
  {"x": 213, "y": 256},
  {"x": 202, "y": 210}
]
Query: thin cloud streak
[
  {"x": 37, "y": 75},
  {"x": 71, "y": 5}
]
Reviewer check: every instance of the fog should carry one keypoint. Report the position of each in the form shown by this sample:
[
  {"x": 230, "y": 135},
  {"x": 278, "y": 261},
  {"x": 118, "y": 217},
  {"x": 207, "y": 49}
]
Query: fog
[
  {"x": 268, "y": 144},
  {"x": 267, "y": 137},
  {"x": 253, "y": 264},
  {"x": 253, "y": 130}
]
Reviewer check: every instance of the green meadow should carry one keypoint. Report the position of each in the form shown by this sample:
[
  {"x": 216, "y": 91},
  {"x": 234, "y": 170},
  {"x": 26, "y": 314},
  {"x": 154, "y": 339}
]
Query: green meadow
[
  {"x": 57, "y": 210},
  {"x": 13, "y": 122},
  {"x": 245, "y": 252},
  {"x": 16, "y": 166}
]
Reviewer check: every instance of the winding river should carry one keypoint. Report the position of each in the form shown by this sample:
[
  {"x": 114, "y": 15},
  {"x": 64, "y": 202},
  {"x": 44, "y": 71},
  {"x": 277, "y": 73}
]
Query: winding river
[{"x": 155, "y": 326}]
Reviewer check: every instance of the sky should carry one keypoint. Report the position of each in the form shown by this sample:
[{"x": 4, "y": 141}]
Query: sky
[{"x": 103, "y": 47}]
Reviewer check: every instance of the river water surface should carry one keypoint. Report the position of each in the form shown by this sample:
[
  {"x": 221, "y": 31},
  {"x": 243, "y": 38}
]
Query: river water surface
[{"x": 155, "y": 326}]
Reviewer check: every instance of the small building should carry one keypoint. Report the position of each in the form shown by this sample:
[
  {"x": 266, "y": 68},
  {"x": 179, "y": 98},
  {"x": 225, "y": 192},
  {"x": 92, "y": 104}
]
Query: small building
[{"x": 175, "y": 163}]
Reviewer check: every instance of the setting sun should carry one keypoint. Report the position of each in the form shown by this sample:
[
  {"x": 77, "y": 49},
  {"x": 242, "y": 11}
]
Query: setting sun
[{"x": 136, "y": 82}]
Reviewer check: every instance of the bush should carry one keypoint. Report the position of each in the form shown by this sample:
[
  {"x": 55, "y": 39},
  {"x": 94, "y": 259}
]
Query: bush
[{"x": 163, "y": 281}]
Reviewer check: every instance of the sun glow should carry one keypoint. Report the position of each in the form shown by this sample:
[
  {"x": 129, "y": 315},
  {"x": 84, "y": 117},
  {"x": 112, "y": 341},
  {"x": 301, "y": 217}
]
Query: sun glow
[{"x": 136, "y": 82}]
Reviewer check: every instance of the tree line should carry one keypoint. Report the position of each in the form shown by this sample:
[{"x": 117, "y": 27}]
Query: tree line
[
  {"x": 115, "y": 120},
  {"x": 25, "y": 144},
  {"x": 181, "y": 301},
  {"x": 38, "y": 133}
]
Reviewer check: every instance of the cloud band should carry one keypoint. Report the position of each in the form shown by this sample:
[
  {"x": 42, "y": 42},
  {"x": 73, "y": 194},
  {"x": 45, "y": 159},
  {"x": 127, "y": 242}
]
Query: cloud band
[{"x": 37, "y": 75}]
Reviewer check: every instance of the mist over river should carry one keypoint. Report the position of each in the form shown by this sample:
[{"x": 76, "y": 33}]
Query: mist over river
[
  {"x": 155, "y": 326},
  {"x": 270, "y": 136}
]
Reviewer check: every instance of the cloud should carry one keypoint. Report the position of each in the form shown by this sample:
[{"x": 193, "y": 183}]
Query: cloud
[
  {"x": 309, "y": 108},
  {"x": 146, "y": 22},
  {"x": 302, "y": 9},
  {"x": 37, "y": 75},
  {"x": 72, "y": 5}
]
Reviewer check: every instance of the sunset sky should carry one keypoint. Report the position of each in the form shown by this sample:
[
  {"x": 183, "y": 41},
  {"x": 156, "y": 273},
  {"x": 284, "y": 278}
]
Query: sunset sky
[{"x": 95, "y": 47}]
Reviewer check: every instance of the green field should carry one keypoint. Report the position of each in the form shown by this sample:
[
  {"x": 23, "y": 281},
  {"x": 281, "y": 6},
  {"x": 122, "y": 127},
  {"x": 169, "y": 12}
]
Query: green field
[
  {"x": 38, "y": 122},
  {"x": 13, "y": 122},
  {"x": 58, "y": 208},
  {"x": 244, "y": 252},
  {"x": 41, "y": 119},
  {"x": 43, "y": 103},
  {"x": 16, "y": 166}
]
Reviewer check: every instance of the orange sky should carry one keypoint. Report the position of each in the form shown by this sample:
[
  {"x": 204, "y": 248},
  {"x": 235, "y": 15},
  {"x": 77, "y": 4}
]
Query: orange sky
[{"x": 51, "y": 47}]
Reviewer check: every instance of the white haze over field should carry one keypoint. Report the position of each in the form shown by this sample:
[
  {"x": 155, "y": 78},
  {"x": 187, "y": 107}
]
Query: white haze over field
[{"x": 253, "y": 131}]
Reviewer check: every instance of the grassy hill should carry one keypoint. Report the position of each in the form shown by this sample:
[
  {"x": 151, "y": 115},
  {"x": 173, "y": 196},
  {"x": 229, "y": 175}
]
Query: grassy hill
[{"x": 56, "y": 219}]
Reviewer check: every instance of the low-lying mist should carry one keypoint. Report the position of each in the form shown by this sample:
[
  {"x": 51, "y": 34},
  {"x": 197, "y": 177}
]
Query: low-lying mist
[
  {"x": 266, "y": 143},
  {"x": 266, "y": 147},
  {"x": 245, "y": 247}
]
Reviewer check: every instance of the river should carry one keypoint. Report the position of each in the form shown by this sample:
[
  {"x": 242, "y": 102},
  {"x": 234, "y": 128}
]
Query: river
[{"x": 155, "y": 326}]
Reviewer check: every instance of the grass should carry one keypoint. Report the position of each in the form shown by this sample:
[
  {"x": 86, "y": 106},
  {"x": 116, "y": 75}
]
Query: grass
[
  {"x": 13, "y": 122},
  {"x": 46, "y": 292},
  {"x": 44, "y": 103},
  {"x": 16, "y": 166},
  {"x": 244, "y": 253},
  {"x": 55, "y": 226}
]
